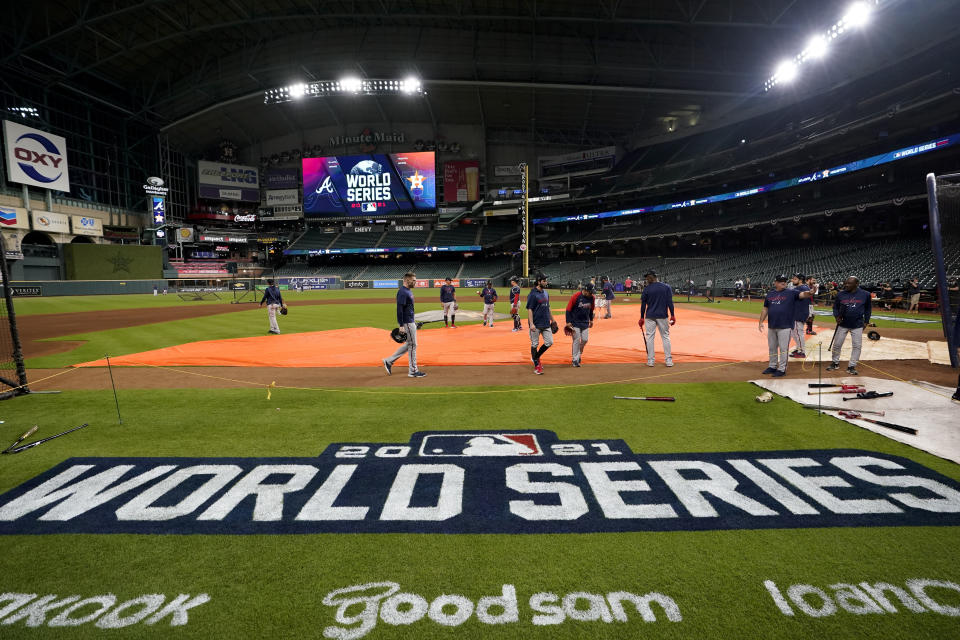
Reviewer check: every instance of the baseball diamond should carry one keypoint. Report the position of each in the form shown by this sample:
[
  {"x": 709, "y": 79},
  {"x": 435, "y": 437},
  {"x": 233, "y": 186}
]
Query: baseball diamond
[{"x": 480, "y": 320}]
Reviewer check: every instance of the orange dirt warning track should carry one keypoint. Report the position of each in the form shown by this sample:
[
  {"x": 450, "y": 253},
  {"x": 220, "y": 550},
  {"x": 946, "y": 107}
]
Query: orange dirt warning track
[{"x": 698, "y": 336}]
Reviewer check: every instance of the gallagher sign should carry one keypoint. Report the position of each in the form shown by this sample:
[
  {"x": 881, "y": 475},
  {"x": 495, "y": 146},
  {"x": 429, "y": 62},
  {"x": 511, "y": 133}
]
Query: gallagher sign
[
  {"x": 482, "y": 482},
  {"x": 35, "y": 157}
]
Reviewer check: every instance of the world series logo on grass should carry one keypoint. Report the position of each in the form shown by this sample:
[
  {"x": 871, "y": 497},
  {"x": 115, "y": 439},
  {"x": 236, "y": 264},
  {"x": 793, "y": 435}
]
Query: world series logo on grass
[{"x": 482, "y": 482}]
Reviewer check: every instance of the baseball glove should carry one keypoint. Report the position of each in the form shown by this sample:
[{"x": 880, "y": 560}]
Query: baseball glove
[
  {"x": 568, "y": 331},
  {"x": 874, "y": 335},
  {"x": 398, "y": 336},
  {"x": 283, "y": 311},
  {"x": 554, "y": 327},
  {"x": 456, "y": 306}
]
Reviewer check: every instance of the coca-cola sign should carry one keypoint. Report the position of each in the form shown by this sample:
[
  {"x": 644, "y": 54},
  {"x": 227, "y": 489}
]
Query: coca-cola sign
[{"x": 245, "y": 218}]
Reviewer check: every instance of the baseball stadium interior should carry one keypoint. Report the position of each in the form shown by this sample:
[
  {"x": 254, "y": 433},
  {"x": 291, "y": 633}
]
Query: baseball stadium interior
[{"x": 170, "y": 167}]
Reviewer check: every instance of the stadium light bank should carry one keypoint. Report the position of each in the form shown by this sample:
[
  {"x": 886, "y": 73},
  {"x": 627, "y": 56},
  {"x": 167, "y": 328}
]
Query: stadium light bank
[
  {"x": 857, "y": 15},
  {"x": 345, "y": 86}
]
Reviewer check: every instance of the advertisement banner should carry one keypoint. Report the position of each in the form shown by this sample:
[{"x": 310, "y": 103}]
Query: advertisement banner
[
  {"x": 437, "y": 282},
  {"x": 356, "y": 284},
  {"x": 222, "y": 181},
  {"x": 475, "y": 283},
  {"x": 461, "y": 181},
  {"x": 368, "y": 184},
  {"x": 35, "y": 157},
  {"x": 185, "y": 234},
  {"x": 422, "y": 284},
  {"x": 211, "y": 237},
  {"x": 86, "y": 226},
  {"x": 14, "y": 218},
  {"x": 281, "y": 179},
  {"x": 50, "y": 222},
  {"x": 503, "y": 170},
  {"x": 282, "y": 197},
  {"x": 386, "y": 284}
]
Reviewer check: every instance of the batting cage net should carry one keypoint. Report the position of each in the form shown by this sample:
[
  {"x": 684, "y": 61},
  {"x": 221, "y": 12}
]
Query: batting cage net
[
  {"x": 247, "y": 289},
  {"x": 943, "y": 199},
  {"x": 13, "y": 375}
]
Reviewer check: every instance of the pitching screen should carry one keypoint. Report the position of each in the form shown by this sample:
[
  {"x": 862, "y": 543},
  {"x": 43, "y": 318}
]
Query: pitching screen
[{"x": 371, "y": 184}]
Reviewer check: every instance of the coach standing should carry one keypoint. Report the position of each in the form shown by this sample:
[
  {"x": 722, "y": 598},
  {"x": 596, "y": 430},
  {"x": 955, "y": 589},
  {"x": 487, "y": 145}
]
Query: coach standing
[
  {"x": 608, "y": 295},
  {"x": 271, "y": 295},
  {"x": 539, "y": 320},
  {"x": 448, "y": 298},
  {"x": 409, "y": 326},
  {"x": 489, "y": 295},
  {"x": 779, "y": 309},
  {"x": 656, "y": 299},
  {"x": 851, "y": 309}
]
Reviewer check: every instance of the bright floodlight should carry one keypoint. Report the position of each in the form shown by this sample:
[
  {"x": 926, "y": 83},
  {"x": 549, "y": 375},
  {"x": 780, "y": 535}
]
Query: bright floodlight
[
  {"x": 786, "y": 71},
  {"x": 351, "y": 84},
  {"x": 857, "y": 14},
  {"x": 410, "y": 85},
  {"x": 296, "y": 91},
  {"x": 817, "y": 47}
]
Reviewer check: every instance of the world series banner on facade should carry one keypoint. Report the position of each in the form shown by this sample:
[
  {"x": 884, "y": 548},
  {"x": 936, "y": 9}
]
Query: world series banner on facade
[{"x": 371, "y": 184}]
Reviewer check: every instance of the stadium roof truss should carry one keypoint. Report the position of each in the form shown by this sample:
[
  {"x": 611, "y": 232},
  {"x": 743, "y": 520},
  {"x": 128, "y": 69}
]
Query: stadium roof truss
[{"x": 559, "y": 72}]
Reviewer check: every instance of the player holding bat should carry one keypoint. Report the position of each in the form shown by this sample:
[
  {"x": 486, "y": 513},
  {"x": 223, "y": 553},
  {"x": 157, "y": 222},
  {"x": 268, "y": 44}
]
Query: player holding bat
[
  {"x": 655, "y": 301},
  {"x": 851, "y": 309},
  {"x": 515, "y": 303}
]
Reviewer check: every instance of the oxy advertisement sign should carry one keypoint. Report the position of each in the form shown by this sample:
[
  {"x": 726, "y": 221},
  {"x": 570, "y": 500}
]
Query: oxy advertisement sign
[
  {"x": 35, "y": 157},
  {"x": 222, "y": 181},
  {"x": 50, "y": 222},
  {"x": 282, "y": 197},
  {"x": 86, "y": 226},
  {"x": 14, "y": 218}
]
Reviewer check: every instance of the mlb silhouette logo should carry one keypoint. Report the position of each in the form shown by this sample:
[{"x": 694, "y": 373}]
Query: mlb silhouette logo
[
  {"x": 369, "y": 207},
  {"x": 479, "y": 444}
]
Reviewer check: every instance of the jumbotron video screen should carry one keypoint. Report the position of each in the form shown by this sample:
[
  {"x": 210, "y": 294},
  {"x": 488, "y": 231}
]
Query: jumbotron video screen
[{"x": 370, "y": 184}]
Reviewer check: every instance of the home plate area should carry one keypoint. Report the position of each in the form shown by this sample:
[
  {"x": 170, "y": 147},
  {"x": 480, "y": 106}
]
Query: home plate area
[{"x": 920, "y": 406}]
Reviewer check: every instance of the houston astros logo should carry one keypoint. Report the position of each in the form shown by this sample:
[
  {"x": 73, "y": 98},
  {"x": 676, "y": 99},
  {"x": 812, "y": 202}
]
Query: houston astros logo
[
  {"x": 120, "y": 262},
  {"x": 416, "y": 180}
]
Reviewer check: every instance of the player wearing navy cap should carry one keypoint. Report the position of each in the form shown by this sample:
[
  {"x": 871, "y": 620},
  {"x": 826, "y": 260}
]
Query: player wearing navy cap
[
  {"x": 801, "y": 311},
  {"x": 655, "y": 301},
  {"x": 407, "y": 324},
  {"x": 538, "y": 322},
  {"x": 515, "y": 303},
  {"x": 271, "y": 295},
  {"x": 580, "y": 319},
  {"x": 489, "y": 295},
  {"x": 607, "y": 289},
  {"x": 852, "y": 309},
  {"x": 779, "y": 309},
  {"x": 448, "y": 298}
]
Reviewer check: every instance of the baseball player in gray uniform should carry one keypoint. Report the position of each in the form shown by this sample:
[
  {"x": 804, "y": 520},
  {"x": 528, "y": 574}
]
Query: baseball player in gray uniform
[{"x": 655, "y": 302}]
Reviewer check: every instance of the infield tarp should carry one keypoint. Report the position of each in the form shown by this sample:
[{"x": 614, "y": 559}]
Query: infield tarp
[{"x": 698, "y": 336}]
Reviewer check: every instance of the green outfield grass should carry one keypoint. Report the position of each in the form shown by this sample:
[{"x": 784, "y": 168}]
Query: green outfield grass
[
  {"x": 273, "y": 585},
  {"x": 755, "y": 305}
]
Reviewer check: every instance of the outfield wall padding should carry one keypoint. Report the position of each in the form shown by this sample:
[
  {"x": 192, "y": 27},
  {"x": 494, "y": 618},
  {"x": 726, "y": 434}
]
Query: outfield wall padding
[{"x": 112, "y": 261}]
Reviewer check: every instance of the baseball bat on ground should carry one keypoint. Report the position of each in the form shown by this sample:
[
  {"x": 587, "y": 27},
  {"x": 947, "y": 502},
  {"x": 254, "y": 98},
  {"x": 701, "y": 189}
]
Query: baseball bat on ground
[
  {"x": 654, "y": 398},
  {"x": 14, "y": 449},
  {"x": 849, "y": 390},
  {"x": 814, "y": 385},
  {"x": 26, "y": 435},
  {"x": 855, "y": 415},
  {"x": 816, "y": 406},
  {"x": 867, "y": 395}
]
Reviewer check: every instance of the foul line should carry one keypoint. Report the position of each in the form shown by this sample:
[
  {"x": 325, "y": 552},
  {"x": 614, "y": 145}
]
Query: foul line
[{"x": 274, "y": 385}]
